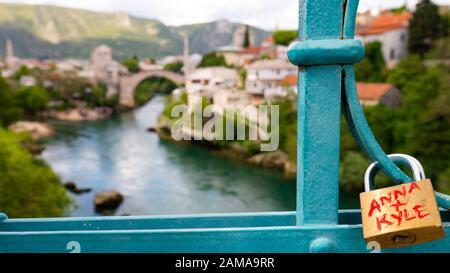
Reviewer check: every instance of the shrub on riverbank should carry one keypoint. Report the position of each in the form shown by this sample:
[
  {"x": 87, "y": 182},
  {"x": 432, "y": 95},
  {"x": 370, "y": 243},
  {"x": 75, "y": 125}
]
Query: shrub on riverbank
[
  {"x": 246, "y": 148},
  {"x": 421, "y": 127},
  {"x": 31, "y": 99},
  {"x": 9, "y": 112},
  {"x": 28, "y": 186}
]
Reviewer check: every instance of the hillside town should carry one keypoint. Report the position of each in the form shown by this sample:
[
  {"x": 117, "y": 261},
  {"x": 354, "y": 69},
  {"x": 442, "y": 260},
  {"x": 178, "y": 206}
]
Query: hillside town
[
  {"x": 237, "y": 75},
  {"x": 268, "y": 73}
]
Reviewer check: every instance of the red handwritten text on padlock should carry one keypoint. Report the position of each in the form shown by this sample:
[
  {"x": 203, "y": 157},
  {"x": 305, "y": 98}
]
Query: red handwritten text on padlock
[{"x": 399, "y": 206}]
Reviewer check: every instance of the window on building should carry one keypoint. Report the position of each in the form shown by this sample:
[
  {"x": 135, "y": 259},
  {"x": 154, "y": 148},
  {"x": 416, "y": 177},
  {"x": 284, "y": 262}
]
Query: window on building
[
  {"x": 403, "y": 37},
  {"x": 392, "y": 55}
]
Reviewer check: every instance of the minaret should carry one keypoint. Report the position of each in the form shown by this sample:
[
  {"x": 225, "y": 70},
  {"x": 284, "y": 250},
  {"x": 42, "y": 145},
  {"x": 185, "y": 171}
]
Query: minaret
[
  {"x": 186, "y": 58},
  {"x": 9, "y": 53}
]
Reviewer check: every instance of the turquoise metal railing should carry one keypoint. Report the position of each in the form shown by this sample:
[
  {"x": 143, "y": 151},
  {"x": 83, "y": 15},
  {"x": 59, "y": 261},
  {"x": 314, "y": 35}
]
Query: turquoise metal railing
[{"x": 325, "y": 54}]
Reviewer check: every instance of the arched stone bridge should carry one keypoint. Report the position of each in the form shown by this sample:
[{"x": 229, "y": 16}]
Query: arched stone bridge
[{"x": 129, "y": 83}]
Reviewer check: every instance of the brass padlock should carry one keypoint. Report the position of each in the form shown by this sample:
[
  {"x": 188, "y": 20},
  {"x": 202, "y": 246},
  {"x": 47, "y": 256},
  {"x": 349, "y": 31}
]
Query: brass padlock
[{"x": 403, "y": 215}]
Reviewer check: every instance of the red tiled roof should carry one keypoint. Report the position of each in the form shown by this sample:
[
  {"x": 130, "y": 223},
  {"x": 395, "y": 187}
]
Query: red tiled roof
[
  {"x": 256, "y": 50},
  {"x": 373, "y": 91},
  {"x": 366, "y": 91},
  {"x": 269, "y": 40},
  {"x": 290, "y": 80},
  {"x": 387, "y": 22}
]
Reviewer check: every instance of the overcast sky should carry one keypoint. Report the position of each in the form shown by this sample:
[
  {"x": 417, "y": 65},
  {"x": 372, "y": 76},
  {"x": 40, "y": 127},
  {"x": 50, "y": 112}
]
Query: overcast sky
[{"x": 267, "y": 14}]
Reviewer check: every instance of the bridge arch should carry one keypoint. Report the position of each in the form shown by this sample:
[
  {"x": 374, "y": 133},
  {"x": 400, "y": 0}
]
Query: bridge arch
[{"x": 128, "y": 84}]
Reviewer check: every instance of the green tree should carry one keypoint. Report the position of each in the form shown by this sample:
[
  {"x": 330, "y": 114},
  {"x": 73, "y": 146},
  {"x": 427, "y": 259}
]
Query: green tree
[
  {"x": 287, "y": 127},
  {"x": 213, "y": 59},
  {"x": 373, "y": 67},
  {"x": 429, "y": 132},
  {"x": 382, "y": 120},
  {"x": 171, "y": 104},
  {"x": 246, "y": 42},
  {"x": 96, "y": 95},
  {"x": 22, "y": 71},
  {"x": 66, "y": 88},
  {"x": 265, "y": 57},
  {"x": 132, "y": 64},
  {"x": 174, "y": 67},
  {"x": 400, "y": 9},
  {"x": 413, "y": 80},
  {"x": 422, "y": 127},
  {"x": 243, "y": 77},
  {"x": 28, "y": 186},
  {"x": 443, "y": 183},
  {"x": 31, "y": 99},
  {"x": 352, "y": 172},
  {"x": 284, "y": 37},
  {"x": 9, "y": 112},
  {"x": 425, "y": 27},
  {"x": 150, "y": 87},
  {"x": 408, "y": 70}
]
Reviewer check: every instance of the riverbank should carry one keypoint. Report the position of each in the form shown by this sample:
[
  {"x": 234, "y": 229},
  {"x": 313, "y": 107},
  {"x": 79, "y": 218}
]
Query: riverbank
[
  {"x": 41, "y": 129},
  {"x": 79, "y": 114},
  {"x": 37, "y": 130},
  {"x": 277, "y": 160}
]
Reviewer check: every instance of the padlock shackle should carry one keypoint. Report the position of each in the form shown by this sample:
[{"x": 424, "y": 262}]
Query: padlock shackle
[{"x": 400, "y": 159}]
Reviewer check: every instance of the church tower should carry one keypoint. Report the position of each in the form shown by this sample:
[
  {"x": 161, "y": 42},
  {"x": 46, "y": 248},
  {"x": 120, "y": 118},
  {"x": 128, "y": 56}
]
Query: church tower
[
  {"x": 10, "y": 59},
  {"x": 186, "y": 57}
]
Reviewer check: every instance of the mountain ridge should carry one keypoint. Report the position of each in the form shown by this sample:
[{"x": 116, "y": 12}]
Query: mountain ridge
[{"x": 46, "y": 31}]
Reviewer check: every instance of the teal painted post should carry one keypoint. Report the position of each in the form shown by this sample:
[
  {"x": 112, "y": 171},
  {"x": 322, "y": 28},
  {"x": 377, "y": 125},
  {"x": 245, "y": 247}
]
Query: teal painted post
[{"x": 319, "y": 109}]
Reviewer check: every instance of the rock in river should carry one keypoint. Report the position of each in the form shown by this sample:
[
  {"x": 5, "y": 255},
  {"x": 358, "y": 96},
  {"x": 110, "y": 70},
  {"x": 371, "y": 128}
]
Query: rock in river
[
  {"x": 152, "y": 130},
  {"x": 272, "y": 160},
  {"x": 107, "y": 201},
  {"x": 73, "y": 188}
]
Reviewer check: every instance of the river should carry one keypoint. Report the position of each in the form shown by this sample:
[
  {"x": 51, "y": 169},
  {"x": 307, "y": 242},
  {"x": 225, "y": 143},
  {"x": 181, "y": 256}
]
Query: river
[{"x": 158, "y": 177}]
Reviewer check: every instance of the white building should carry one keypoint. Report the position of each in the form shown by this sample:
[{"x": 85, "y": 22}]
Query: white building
[
  {"x": 211, "y": 77},
  {"x": 102, "y": 68},
  {"x": 70, "y": 64},
  {"x": 27, "y": 81},
  {"x": 224, "y": 98},
  {"x": 170, "y": 59},
  {"x": 266, "y": 77},
  {"x": 282, "y": 52},
  {"x": 239, "y": 56},
  {"x": 392, "y": 31},
  {"x": 205, "y": 81}
]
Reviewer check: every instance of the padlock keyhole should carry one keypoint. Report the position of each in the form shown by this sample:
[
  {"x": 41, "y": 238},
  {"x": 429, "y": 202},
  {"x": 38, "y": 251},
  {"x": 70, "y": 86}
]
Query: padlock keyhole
[{"x": 404, "y": 239}]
